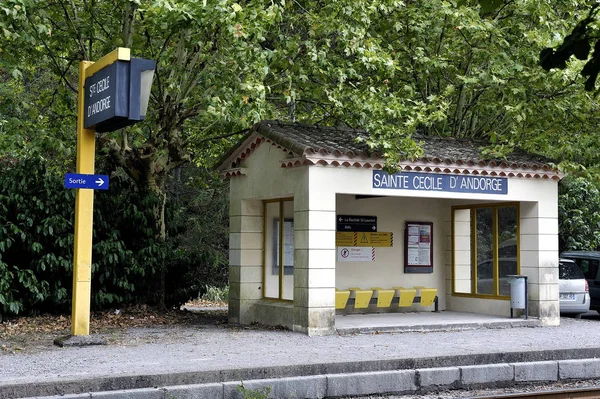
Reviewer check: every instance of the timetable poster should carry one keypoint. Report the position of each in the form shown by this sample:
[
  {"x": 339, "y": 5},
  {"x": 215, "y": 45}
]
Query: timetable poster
[{"x": 418, "y": 247}]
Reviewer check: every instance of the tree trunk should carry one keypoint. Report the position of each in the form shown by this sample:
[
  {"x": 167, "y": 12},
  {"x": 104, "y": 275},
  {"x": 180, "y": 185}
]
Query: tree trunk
[{"x": 156, "y": 186}]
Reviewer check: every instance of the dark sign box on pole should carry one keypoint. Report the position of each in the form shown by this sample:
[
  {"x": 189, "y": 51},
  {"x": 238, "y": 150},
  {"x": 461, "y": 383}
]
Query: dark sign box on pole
[{"x": 113, "y": 95}]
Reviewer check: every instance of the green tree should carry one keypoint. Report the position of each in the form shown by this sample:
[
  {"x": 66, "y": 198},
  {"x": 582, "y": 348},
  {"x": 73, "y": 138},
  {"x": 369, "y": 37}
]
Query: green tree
[
  {"x": 210, "y": 61},
  {"x": 578, "y": 215},
  {"x": 434, "y": 67},
  {"x": 461, "y": 68}
]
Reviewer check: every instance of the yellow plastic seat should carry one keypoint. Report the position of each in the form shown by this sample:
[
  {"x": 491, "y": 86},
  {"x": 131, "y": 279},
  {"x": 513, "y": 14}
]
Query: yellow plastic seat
[
  {"x": 427, "y": 295},
  {"x": 406, "y": 296},
  {"x": 341, "y": 298},
  {"x": 361, "y": 297},
  {"x": 384, "y": 297}
]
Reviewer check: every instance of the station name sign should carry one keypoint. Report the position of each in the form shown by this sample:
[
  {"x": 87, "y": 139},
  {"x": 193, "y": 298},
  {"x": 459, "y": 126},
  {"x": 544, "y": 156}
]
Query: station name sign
[
  {"x": 101, "y": 102},
  {"x": 440, "y": 182},
  {"x": 117, "y": 95}
]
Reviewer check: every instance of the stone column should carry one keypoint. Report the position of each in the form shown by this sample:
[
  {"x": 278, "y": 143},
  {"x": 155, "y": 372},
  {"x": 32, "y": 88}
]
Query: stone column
[
  {"x": 245, "y": 258},
  {"x": 314, "y": 263},
  {"x": 539, "y": 258}
]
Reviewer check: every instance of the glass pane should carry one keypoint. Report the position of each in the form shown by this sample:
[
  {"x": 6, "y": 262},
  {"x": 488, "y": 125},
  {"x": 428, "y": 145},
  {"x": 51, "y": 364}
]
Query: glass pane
[
  {"x": 288, "y": 247},
  {"x": 568, "y": 270},
  {"x": 507, "y": 246},
  {"x": 485, "y": 260},
  {"x": 462, "y": 251},
  {"x": 272, "y": 250},
  {"x": 594, "y": 270},
  {"x": 584, "y": 265}
]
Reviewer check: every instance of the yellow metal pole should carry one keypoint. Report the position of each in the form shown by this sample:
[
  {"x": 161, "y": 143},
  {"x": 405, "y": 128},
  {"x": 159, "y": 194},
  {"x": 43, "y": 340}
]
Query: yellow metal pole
[
  {"x": 84, "y": 199},
  {"x": 84, "y": 213}
]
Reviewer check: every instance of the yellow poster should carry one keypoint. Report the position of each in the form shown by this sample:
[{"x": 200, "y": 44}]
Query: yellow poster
[
  {"x": 364, "y": 239},
  {"x": 344, "y": 239}
]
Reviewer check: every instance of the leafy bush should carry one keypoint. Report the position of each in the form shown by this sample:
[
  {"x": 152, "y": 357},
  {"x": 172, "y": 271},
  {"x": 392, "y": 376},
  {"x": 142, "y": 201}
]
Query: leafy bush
[
  {"x": 215, "y": 294},
  {"x": 578, "y": 214},
  {"x": 128, "y": 263},
  {"x": 36, "y": 237}
]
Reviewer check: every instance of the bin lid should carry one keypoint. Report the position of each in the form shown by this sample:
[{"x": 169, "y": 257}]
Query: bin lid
[{"x": 514, "y": 278}]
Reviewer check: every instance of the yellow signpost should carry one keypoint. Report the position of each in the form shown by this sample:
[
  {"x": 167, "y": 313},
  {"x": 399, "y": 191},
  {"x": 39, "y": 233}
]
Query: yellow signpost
[
  {"x": 112, "y": 93},
  {"x": 364, "y": 239},
  {"x": 84, "y": 200}
]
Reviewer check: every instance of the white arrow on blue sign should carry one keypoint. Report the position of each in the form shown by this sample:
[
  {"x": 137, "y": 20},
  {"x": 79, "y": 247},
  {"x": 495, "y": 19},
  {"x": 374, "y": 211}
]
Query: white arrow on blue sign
[{"x": 78, "y": 180}]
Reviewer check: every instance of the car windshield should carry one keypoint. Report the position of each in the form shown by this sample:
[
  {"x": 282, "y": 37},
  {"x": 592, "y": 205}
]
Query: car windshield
[{"x": 569, "y": 271}]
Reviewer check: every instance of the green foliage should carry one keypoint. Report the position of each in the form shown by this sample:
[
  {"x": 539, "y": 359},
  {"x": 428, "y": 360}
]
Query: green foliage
[
  {"x": 434, "y": 67},
  {"x": 36, "y": 239},
  {"x": 464, "y": 68},
  {"x": 578, "y": 43},
  {"x": 578, "y": 215},
  {"x": 215, "y": 294},
  {"x": 36, "y": 245},
  {"x": 262, "y": 393}
]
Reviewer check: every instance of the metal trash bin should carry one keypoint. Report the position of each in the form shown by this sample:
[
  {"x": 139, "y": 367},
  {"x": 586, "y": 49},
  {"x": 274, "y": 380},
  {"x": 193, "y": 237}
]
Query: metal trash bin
[{"x": 518, "y": 293}]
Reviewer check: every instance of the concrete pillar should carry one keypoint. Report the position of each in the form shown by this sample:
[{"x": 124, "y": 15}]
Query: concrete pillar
[
  {"x": 245, "y": 258},
  {"x": 314, "y": 263},
  {"x": 539, "y": 258}
]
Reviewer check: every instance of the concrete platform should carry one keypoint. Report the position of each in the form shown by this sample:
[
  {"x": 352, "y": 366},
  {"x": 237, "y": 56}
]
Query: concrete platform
[
  {"x": 369, "y": 323},
  {"x": 421, "y": 352}
]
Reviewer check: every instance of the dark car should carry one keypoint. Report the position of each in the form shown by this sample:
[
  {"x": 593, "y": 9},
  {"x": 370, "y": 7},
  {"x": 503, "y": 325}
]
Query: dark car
[{"x": 588, "y": 262}]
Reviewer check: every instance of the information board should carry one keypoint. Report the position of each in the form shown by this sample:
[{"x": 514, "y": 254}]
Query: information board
[{"x": 418, "y": 247}]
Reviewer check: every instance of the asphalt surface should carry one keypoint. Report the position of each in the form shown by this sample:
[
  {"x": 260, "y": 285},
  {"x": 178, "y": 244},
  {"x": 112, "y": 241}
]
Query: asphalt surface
[{"x": 209, "y": 353}]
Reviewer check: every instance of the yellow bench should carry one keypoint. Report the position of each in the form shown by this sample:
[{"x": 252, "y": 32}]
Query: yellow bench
[
  {"x": 428, "y": 295},
  {"x": 385, "y": 297},
  {"x": 406, "y": 296},
  {"x": 341, "y": 298},
  {"x": 362, "y": 298}
]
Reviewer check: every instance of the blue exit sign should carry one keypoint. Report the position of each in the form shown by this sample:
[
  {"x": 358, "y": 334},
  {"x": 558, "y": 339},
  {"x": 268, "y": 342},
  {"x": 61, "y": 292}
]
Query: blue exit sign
[{"x": 94, "y": 182}]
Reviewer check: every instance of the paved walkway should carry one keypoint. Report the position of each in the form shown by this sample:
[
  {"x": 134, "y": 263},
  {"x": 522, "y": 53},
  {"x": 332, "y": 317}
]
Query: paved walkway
[
  {"x": 176, "y": 356},
  {"x": 424, "y": 321}
]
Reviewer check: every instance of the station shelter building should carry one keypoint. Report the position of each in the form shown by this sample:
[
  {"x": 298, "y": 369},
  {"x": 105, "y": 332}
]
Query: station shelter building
[{"x": 317, "y": 228}]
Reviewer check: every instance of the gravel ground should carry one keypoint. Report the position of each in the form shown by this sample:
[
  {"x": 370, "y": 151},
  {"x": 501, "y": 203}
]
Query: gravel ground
[{"x": 213, "y": 346}]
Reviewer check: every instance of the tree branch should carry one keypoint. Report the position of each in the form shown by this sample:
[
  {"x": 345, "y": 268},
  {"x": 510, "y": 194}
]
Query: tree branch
[
  {"x": 224, "y": 136},
  {"x": 79, "y": 39}
]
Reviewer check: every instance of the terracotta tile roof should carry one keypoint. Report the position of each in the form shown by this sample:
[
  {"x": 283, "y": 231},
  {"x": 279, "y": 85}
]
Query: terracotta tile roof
[
  {"x": 305, "y": 139},
  {"x": 311, "y": 145}
]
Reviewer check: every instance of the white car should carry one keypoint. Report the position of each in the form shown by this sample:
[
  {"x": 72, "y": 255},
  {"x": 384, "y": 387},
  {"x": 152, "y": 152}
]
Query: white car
[{"x": 573, "y": 290}]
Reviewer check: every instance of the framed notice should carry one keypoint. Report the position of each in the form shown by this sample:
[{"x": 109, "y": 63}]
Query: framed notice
[{"x": 418, "y": 247}]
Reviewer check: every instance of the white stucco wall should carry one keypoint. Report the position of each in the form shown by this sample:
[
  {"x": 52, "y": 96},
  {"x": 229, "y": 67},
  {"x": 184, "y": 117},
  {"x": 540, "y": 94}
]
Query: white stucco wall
[
  {"x": 538, "y": 233},
  {"x": 388, "y": 268},
  {"x": 264, "y": 180}
]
